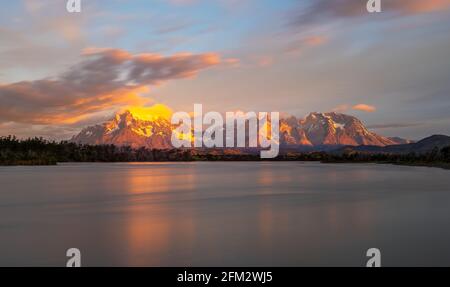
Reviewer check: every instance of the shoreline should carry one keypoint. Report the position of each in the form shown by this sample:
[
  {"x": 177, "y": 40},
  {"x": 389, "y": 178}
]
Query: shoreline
[{"x": 441, "y": 165}]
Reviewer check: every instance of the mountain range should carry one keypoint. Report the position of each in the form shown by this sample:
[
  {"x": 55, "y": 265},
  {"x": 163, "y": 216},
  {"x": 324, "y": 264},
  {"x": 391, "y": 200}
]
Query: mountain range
[
  {"x": 331, "y": 129},
  {"x": 317, "y": 130}
]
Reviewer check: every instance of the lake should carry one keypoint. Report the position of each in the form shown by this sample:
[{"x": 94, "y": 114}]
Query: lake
[{"x": 224, "y": 214}]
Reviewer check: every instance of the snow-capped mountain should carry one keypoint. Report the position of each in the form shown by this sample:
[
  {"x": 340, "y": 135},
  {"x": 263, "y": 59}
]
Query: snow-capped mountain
[
  {"x": 128, "y": 129},
  {"x": 317, "y": 129},
  {"x": 330, "y": 129}
]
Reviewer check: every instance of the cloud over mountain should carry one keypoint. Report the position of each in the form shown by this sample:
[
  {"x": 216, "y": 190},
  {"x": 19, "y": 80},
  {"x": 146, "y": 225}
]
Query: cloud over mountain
[
  {"x": 104, "y": 79},
  {"x": 364, "y": 108},
  {"x": 358, "y": 107}
]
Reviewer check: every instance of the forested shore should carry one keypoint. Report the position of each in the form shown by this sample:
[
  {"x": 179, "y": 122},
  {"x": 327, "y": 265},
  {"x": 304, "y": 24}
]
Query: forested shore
[{"x": 38, "y": 151}]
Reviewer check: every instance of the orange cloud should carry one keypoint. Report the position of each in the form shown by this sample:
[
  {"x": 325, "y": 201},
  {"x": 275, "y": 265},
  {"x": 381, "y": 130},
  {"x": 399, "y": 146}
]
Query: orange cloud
[
  {"x": 364, "y": 108},
  {"x": 326, "y": 10},
  {"x": 341, "y": 108},
  {"x": 105, "y": 79},
  {"x": 298, "y": 46},
  {"x": 418, "y": 6},
  {"x": 359, "y": 107},
  {"x": 265, "y": 61},
  {"x": 232, "y": 62},
  {"x": 315, "y": 40}
]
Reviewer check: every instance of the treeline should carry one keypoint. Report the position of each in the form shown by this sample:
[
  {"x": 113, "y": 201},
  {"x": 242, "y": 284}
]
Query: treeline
[
  {"x": 38, "y": 151},
  {"x": 436, "y": 157}
]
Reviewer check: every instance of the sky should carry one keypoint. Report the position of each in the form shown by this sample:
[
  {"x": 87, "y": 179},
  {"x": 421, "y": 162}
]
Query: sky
[{"x": 60, "y": 71}]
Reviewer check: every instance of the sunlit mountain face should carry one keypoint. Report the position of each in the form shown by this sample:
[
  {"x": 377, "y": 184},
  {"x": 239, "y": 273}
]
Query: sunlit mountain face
[
  {"x": 331, "y": 129},
  {"x": 151, "y": 127},
  {"x": 135, "y": 127}
]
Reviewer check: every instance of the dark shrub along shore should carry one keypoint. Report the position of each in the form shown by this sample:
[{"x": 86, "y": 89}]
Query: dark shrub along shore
[{"x": 38, "y": 151}]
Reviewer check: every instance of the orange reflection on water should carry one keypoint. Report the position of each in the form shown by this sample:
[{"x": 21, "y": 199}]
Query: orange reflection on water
[
  {"x": 266, "y": 221},
  {"x": 153, "y": 225},
  {"x": 266, "y": 177}
]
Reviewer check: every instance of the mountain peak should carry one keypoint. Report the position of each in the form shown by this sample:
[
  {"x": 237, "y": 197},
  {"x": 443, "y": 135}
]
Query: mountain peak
[
  {"x": 333, "y": 128},
  {"x": 134, "y": 126},
  {"x": 151, "y": 127}
]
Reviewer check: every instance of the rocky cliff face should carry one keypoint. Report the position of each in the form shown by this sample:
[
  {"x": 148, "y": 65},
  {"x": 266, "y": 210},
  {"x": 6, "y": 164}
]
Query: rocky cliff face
[
  {"x": 330, "y": 129},
  {"x": 317, "y": 129},
  {"x": 127, "y": 129}
]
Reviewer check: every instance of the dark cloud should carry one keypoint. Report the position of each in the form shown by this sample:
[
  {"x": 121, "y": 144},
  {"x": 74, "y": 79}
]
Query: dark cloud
[
  {"x": 104, "y": 79},
  {"x": 393, "y": 125},
  {"x": 326, "y": 10}
]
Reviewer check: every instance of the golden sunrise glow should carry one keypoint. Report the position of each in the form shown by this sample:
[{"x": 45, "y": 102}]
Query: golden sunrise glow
[{"x": 150, "y": 113}]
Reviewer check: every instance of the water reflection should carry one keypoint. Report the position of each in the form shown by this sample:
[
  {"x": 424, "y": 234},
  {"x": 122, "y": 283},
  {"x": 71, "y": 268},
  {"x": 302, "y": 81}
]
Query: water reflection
[
  {"x": 224, "y": 214},
  {"x": 152, "y": 223}
]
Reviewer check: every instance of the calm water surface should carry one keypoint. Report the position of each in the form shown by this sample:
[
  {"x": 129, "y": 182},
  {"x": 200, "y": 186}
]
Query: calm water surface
[{"x": 224, "y": 214}]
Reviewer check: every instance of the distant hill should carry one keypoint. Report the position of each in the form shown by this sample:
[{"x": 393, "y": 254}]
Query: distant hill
[{"x": 420, "y": 147}]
